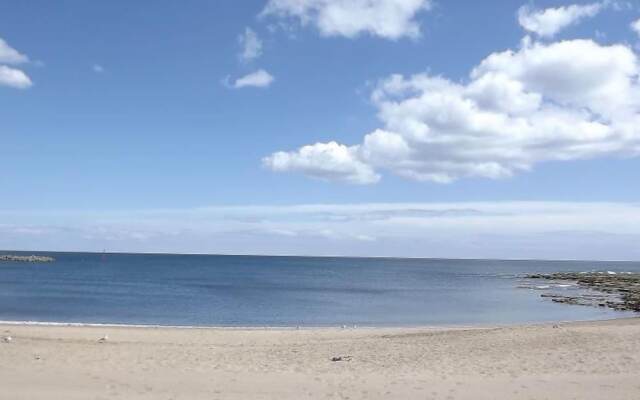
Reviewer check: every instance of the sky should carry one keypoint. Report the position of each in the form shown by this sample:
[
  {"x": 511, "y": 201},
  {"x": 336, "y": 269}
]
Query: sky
[{"x": 404, "y": 128}]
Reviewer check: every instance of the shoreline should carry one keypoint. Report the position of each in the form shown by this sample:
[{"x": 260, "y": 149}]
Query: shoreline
[
  {"x": 9, "y": 323},
  {"x": 589, "y": 360}
]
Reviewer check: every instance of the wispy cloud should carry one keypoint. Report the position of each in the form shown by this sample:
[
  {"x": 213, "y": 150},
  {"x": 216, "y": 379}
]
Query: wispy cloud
[
  {"x": 251, "y": 45},
  {"x": 9, "y": 55},
  {"x": 635, "y": 26},
  {"x": 11, "y": 76},
  {"x": 388, "y": 19},
  {"x": 548, "y": 22},
  {"x": 14, "y": 78},
  {"x": 257, "y": 79},
  {"x": 486, "y": 229}
]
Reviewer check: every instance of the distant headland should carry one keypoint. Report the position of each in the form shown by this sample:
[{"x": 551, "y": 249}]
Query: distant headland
[{"x": 30, "y": 259}]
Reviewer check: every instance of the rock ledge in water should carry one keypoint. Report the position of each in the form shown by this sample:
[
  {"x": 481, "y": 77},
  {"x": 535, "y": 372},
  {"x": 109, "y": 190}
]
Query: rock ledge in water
[{"x": 619, "y": 291}]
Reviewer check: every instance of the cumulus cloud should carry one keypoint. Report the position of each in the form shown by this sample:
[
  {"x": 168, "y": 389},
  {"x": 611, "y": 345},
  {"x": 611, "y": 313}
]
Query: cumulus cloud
[
  {"x": 10, "y": 76},
  {"x": 258, "y": 79},
  {"x": 326, "y": 161},
  {"x": 14, "y": 78},
  {"x": 251, "y": 45},
  {"x": 389, "y": 19},
  {"x": 550, "y": 21},
  {"x": 562, "y": 101}
]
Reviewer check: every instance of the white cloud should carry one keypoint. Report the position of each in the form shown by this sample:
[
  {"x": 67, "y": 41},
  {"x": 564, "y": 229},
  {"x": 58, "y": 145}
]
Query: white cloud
[
  {"x": 635, "y": 26},
  {"x": 390, "y": 19},
  {"x": 251, "y": 45},
  {"x": 14, "y": 78},
  {"x": 326, "y": 161},
  {"x": 9, "y": 55},
  {"x": 476, "y": 230},
  {"x": 259, "y": 79},
  {"x": 365, "y": 238},
  {"x": 568, "y": 100},
  {"x": 550, "y": 21},
  {"x": 9, "y": 76}
]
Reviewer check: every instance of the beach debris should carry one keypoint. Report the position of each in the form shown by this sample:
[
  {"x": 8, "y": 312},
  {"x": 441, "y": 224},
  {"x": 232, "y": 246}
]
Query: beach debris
[
  {"x": 7, "y": 339},
  {"x": 103, "y": 339},
  {"x": 341, "y": 358},
  {"x": 37, "y": 357}
]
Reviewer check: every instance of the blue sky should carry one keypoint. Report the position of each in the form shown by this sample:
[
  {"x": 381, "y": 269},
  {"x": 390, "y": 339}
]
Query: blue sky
[{"x": 120, "y": 110}]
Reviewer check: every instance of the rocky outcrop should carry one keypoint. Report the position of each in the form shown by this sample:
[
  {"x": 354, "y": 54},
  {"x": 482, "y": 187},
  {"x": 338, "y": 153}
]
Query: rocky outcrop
[
  {"x": 619, "y": 291},
  {"x": 31, "y": 259}
]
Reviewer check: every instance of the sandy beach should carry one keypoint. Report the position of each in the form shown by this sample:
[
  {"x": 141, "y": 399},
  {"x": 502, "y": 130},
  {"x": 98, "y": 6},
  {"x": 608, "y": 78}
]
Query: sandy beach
[{"x": 581, "y": 360}]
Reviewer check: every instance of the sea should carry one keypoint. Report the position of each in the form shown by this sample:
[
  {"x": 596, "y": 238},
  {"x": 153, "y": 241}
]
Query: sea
[{"x": 258, "y": 291}]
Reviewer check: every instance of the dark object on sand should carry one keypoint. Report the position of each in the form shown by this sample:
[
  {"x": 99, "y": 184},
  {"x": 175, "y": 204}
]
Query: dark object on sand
[{"x": 341, "y": 358}]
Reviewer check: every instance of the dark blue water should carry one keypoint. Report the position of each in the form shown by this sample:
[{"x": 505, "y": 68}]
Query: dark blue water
[{"x": 282, "y": 291}]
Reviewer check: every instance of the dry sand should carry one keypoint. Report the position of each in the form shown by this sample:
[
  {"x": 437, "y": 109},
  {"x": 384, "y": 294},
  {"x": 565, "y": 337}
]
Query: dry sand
[{"x": 585, "y": 360}]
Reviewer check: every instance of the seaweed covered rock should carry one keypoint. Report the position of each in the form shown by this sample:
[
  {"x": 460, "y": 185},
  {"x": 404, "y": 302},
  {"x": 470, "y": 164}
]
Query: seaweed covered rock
[{"x": 617, "y": 290}]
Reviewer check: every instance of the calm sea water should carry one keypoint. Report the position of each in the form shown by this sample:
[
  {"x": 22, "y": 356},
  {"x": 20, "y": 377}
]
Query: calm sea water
[{"x": 282, "y": 291}]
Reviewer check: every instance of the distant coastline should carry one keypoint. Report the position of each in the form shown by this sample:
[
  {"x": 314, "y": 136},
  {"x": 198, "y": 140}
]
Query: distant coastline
[
  {"x": 29, "y": 259},
  {"x": 322, "y": 256}
]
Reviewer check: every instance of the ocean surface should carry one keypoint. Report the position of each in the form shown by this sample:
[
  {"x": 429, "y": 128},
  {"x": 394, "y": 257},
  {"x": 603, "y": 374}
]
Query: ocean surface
[{"x": 253, "y": 291}]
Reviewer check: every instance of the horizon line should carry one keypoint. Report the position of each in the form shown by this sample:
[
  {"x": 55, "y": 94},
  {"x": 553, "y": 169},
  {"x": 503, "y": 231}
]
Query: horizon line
[{"x": 316, "y": 256}]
